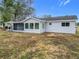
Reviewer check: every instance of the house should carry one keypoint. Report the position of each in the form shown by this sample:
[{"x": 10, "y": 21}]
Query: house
[{"x": 60, "y": 24}]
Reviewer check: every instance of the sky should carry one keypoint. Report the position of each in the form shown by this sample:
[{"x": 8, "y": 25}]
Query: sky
[{"x": 56, "y": 7}]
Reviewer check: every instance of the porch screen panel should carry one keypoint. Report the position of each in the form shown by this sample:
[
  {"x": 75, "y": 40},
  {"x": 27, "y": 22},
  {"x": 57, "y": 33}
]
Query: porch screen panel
[
  {"x": 36, "y": 25},
  {"x": 18, "y": 26},
  {"x": 26, "y": 26},
  {"x": 31, "y": 25}
]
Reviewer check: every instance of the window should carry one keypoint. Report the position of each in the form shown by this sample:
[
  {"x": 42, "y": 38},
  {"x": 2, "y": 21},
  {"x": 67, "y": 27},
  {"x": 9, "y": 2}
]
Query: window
[
  {"x": 36, "y": 25},
  {"x": 50, "y": 23},
  {"x": 26, "y": 25},
  {"x": 65, "y": 24},
  {"x": 31, "y": 25}
]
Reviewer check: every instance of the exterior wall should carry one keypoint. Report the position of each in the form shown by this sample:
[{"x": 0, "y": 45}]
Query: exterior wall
[
  {"x": 9, "y": 24},
  {"x": 43, "y": 27},
  {"x": 32, "y": 30},
  {"x": 57, "y": 27}
]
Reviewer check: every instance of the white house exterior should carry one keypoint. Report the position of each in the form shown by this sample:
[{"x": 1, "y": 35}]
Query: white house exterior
[{"x": 61, "y": 24}]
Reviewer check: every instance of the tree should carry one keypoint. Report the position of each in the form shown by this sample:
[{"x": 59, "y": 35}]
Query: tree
[
  {"x": 22, "y": 9},
  {"x": 77, "y": 23},
  {"x": 6, "y": 10},
  {"x": 15, "y": 9}
]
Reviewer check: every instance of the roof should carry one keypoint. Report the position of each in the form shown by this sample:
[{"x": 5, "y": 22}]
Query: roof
[
  {"x": 61, "y": 18},
  {"x": 72, "y": 17}
]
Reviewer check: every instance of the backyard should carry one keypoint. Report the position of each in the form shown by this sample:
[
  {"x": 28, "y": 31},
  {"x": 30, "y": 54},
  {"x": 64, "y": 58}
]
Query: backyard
[{"x": 38, "y": 46}]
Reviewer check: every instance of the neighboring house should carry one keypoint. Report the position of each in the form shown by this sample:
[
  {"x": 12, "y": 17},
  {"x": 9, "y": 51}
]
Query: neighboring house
[{"x": 61, "y": 24}]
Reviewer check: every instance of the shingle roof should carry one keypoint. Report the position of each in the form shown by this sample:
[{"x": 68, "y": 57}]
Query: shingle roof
[
  {"x": 61, "y": 18},
  {"x": 51, "y": 18}
]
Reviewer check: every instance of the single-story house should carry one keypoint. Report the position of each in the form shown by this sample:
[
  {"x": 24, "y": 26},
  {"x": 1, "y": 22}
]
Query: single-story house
[{"x": 60, "y": 24}]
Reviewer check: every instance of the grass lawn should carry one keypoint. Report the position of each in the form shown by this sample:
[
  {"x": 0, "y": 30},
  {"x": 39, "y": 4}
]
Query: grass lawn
[
  {"x": 38, "y": 46},
  {"x": 78, "y": 30}
]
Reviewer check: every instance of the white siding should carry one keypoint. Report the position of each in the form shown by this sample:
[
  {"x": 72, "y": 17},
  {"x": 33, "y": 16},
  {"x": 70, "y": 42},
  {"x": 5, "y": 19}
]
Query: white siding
[
  {"x": 32, "y": 30},
  {"x": 57, "y": 27},
  {"x": 42, "y": 29}
]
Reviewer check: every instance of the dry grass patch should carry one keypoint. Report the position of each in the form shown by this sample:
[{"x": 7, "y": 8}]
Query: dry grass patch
[{"x": 38, "y": 46}]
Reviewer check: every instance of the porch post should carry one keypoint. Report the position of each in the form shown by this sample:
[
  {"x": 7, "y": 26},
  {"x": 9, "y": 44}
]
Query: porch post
[
  {"x": 40, "y": 25},
  {"x": 24, "y": 26},
  {"x": 12, "y": 27},
  {"x": 34, "y": 25}
]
